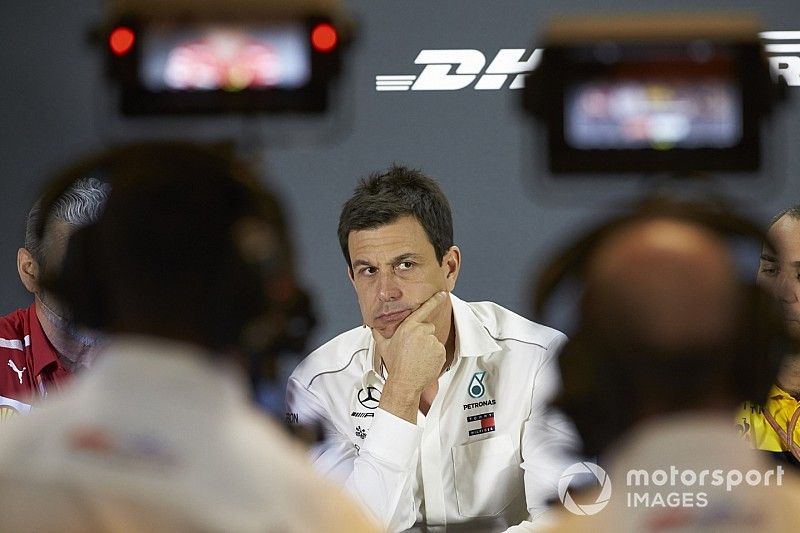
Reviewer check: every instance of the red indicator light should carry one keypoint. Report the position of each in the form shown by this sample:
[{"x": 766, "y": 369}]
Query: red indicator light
[
  {"x": 323, "y": 37},
  {"x": 121, "y": 40}
]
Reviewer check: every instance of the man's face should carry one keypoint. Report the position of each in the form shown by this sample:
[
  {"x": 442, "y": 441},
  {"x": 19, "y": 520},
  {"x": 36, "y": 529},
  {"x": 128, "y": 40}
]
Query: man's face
[
  {"x": 395, "y": 270},
  {"x": 779, "y": 270},
  {"x": 74, "y": 344},
  {"x": 53, "y": 246}
]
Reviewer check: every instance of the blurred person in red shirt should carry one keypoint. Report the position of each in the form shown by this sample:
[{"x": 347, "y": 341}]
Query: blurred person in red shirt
[{"x": 40, "y": 348}]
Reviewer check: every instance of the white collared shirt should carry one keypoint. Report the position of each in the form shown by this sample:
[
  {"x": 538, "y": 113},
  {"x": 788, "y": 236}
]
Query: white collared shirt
[
  {"x": 489, "y": 450},
  {"x": 160, "y": 437}
]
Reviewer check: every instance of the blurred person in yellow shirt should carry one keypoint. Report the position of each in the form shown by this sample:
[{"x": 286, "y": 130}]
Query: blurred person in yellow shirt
[{"x": 773, "y": 426}]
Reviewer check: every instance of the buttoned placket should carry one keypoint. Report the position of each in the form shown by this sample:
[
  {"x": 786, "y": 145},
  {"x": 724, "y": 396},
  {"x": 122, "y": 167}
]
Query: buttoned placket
[{"x": 431, "y": 457}]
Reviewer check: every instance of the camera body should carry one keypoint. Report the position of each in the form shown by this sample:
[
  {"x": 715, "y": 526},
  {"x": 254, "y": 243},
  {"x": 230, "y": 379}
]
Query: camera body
[{"x": 196, "y": 57}]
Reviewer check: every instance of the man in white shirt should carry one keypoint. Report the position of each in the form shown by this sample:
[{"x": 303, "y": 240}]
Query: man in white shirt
[
  {"x": 162, "y": 434},
  {"x": 435, "y": 412}
]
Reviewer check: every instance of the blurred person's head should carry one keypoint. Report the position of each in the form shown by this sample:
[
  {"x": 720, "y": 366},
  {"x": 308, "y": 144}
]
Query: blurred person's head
[
  {"x": 779, "y": 273},
  {"x": 666, "y": 325},
  {"x": 186, "y": 249},
  {"x": 79, "y": 205},
  {"x": 779, "y": 269},
  {"x": 665, "y": 293},
  {"x": 396, "y": 234}
]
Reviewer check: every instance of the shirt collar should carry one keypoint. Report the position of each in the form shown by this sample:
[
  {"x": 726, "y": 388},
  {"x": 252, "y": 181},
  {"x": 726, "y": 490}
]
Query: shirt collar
[
  {"x": 372, "y": 376},
  {"x": 472, "y": 337},
  {"x": 42, "y": 352},
  {"x": 777, "y": 393}
]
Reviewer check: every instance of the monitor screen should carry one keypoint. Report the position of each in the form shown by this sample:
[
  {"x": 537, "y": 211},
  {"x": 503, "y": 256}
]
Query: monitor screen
[
  {"x": 650, "y": 106},
  {"x": 657, "y": 113},
  {"x": 224, "y": 57}
]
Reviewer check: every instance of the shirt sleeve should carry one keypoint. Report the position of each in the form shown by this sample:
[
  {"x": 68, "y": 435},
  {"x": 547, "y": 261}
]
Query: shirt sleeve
[
  {"x": 380, "y": 473},
  {"x": 550, "y": 441}
]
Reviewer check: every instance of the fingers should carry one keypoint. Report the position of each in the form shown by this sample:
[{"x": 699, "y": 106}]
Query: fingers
[
  {"x": 427, "y": 307},
  {"x": 415, "y": 322}
]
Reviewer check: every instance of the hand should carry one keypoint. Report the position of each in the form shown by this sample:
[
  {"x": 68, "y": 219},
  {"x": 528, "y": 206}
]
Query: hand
[{"x": 414, "y": 356}]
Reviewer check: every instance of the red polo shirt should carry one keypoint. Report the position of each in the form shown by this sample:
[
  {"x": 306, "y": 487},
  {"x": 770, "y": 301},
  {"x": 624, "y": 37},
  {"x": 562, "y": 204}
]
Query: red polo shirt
[{"x": 29, "y": 365}]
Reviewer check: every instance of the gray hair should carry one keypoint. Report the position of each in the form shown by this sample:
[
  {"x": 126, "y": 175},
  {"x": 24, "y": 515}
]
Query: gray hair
[
  {"x": 81, "y": 204},
  {"x": 793, "y": 211}
]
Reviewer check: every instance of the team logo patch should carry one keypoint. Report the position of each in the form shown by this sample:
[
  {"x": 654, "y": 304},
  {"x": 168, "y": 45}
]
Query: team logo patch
[
  {"x": 482, "y": 403},
  {"x": 744, "y": 429},
  {"x": 16, "y": 370},
  {"x": 361, "y": 432},
  {"x": 486, "y": 421},
  {"x": 358, "y": 414},
  {"x": 369, "y": 397},
  {"x": 476, "y": 388}
]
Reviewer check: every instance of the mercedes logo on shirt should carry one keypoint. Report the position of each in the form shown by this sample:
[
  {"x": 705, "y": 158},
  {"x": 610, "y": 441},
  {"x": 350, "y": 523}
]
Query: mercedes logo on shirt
[{"x": 369, "y": 397}]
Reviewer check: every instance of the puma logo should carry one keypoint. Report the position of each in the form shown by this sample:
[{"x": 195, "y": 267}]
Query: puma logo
[{"x": 17, "y": 370}]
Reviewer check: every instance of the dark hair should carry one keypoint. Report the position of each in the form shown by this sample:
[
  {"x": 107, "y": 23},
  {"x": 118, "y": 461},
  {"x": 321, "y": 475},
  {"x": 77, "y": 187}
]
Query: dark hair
[
  {"x": 382, "y": 198},
  {"x": 175, "y": 253}
]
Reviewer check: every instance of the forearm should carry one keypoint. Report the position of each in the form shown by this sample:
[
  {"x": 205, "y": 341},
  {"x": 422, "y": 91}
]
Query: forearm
[
  {"x": 384, "y": 491},
  {"x": 380, "y": 475}
]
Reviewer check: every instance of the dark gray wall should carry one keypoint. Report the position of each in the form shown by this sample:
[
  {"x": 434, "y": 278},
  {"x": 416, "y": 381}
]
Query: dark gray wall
[{"x": 509, "y": 214}]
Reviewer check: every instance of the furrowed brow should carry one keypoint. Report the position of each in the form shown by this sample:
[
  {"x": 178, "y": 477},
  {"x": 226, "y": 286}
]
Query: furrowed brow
[
  {"x": 361, "y": 262},
  {"x": 403, "y": 257}
]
